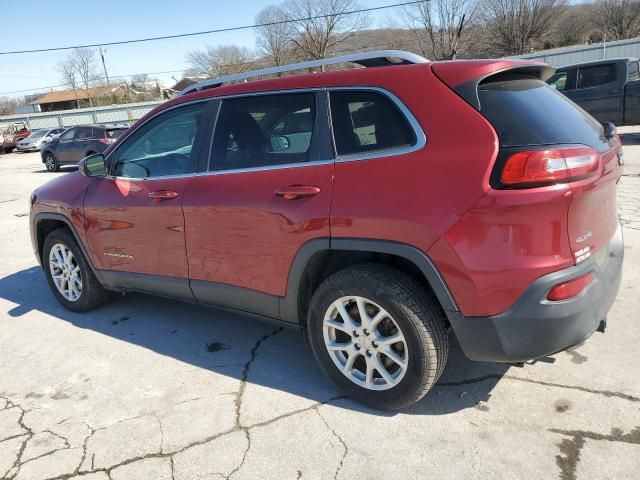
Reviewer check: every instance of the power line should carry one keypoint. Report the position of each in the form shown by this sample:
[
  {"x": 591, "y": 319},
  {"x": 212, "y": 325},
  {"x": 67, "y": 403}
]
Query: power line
[{"x": 219, "y": 30}]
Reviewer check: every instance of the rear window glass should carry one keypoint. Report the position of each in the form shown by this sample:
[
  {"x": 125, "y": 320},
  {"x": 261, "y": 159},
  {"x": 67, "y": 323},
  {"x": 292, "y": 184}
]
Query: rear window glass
[
  {"x": 526, "y": 111},
  {"x": 115, "y": 133}
]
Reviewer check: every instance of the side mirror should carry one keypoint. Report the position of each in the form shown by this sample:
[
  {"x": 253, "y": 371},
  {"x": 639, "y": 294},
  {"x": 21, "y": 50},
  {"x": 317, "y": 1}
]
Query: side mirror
[
  {"x": 609, "y": 130},
  {"x": 93, "y": 166}
]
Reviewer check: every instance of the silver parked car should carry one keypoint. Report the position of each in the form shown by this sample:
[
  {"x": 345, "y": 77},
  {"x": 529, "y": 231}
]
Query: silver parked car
[{"x": 34, "y": 142}]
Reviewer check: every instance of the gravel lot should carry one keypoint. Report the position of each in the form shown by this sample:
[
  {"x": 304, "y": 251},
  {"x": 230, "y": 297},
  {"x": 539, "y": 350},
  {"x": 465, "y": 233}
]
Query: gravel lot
[{"x": 148, "y": 388}]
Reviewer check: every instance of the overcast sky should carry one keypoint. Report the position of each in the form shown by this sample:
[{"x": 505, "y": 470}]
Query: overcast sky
[{"x": 42, "y": 24}]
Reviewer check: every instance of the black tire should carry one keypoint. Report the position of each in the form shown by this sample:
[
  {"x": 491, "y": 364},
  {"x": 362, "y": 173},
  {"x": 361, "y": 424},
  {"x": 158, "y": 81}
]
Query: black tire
[
  {"x": 417, "y": 314},
  {"x": 92, "y": 293},
  {"x": 51, "y": 162},
  {"x": 8, "y": 150}
]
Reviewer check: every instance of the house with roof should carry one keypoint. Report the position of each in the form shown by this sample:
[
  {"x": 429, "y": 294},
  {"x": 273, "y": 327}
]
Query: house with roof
[{"x": 69, "y": 99}]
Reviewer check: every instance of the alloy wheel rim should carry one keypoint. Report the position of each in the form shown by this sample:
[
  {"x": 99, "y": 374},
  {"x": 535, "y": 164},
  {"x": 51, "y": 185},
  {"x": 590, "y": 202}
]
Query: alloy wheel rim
[
  {"x": 49, "y": 162},
  {"x": 65, "y": 272},
  {"x": 365, "y": 343}
]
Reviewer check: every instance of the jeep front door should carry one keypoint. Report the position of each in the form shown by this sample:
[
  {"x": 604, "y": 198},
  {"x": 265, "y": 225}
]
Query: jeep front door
[{"x": 134, "y": 216}]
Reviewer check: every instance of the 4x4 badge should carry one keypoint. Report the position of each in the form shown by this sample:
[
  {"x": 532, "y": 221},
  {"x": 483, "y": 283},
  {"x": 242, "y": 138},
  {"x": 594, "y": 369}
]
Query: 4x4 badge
[{"x": 582, "y": 238}]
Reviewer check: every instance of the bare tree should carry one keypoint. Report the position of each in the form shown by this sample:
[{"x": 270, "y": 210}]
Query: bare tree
[
  {"x": 140, "y": 81},
  {"x": 436, "y": 24},
  {"x": 517, "y": 27},
  {"x": 69, "y": 74},
  {"x": 85, "y": 64},
  {"x": 321, "y": 25},
  {"x": 219, "y": 61},
  {"x": 7, "y": 105},
  {"x": 617, "y": 19},
  {"x": 274, "y": 37},
  {"x": 573, "y": 27}
]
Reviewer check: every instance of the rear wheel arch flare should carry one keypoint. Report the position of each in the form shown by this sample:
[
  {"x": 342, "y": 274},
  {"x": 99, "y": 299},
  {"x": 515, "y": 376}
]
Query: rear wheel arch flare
[{"x": 320, "y": 258}]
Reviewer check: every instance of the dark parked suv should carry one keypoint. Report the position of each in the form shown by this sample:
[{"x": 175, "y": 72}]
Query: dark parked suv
[
  {"x": 79, "y": 142},
  {"x": 381, "y": 209}
]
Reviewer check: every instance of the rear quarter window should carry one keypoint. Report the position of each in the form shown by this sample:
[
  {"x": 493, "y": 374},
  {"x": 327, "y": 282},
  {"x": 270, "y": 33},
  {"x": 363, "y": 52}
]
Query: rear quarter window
[
  {"x": 114, "y": 133},
  {"x": 365, "y": 122},
  {"x": 526, "y": 111}
]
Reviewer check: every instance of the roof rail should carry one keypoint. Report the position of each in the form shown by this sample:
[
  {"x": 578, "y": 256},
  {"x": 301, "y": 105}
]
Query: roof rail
[{"x": 378, "y": 58}]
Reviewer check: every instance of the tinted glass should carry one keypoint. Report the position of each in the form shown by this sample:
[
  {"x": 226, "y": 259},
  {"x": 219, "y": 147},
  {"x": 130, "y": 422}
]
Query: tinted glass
[
  {"x": 526, "y": 111},
  {"x": 265, "y": 130},
  {"x": 365, "y": 122},
  {"x": 114, "y": 132},
  {"x": 162, "y": 147},
  {"x": 634, "y": 74},
  {"x": 83, "y": 133},
  {"x": 68, "y": 135},
  {"x": 596, "y": 75}
]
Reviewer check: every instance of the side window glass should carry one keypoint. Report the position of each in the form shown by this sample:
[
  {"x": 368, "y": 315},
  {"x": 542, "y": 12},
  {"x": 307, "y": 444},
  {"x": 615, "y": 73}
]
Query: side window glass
[
  {"x": 83, "y": 133},
  {"x": 163, "y": 147},
  {"x": 596, "y": 75},
  {"x": 558, "y": 81},
  {"x": 68, "y": 135},
  {"x": 365, "y": 121},
  {"x": 264, "y": 130},
  {"x": 634, "y": 74}
]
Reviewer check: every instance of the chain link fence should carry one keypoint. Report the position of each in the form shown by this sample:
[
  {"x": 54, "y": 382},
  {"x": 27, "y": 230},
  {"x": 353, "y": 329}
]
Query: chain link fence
[{"x": 128, "y": 113}]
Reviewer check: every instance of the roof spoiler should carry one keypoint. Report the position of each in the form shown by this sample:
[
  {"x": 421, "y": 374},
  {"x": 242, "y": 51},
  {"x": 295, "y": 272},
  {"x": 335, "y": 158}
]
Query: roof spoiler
[{"x": 465, "y": 81}]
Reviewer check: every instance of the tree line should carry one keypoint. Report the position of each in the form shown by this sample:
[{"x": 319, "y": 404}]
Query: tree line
[{"x": 299, "y": 30}]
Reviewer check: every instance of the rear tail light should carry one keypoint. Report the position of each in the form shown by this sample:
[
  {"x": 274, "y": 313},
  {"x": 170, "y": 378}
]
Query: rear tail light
[
  {"x": 570, "y": 289},
  {"x": 107, "y": 141},
  {"x": 531, "y": 168}
]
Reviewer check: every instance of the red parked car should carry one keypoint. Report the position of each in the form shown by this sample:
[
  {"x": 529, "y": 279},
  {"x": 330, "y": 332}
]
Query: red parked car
[
  {"x": 11, "y": 134},
  {"x": 378, "y": 208}
]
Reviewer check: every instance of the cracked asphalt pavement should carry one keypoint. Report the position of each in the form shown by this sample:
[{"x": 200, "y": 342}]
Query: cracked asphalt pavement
[{"x": 149, "y": 388}]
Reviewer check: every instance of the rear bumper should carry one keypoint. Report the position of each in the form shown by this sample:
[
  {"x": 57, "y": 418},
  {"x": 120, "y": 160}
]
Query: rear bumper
[{"x": 534, "y": 327}]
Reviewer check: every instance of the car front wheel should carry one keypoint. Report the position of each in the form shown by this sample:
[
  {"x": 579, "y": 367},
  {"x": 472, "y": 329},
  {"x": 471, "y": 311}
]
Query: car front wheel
[
  {"x": 51, "y": 163},
  {"x": 378, "y": 335},
  {"x": 69, "y": 275}
]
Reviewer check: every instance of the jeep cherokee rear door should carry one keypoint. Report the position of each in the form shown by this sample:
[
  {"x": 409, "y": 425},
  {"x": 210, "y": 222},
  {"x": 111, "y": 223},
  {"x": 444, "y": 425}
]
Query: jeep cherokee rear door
[{"x": 265, "y": 191}]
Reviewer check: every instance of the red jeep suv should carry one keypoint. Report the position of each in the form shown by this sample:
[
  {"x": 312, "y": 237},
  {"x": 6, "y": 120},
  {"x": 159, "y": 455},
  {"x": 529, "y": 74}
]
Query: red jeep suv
[{"x": 378, "y": 208}]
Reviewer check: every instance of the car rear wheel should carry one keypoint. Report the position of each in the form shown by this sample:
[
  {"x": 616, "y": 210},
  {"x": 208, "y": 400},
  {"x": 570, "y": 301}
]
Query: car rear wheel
[
  {"x": 51, "y": 163},
  {"x": 69, "y": 275},
  {"x": 378, "y": 335}
]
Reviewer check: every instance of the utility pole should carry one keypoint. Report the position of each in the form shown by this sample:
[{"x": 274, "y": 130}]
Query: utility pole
[{"x": 104, "y": 65}]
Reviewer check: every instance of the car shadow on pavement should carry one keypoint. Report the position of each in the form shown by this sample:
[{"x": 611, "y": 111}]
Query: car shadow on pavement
[{"x": 223, "y": 342}]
